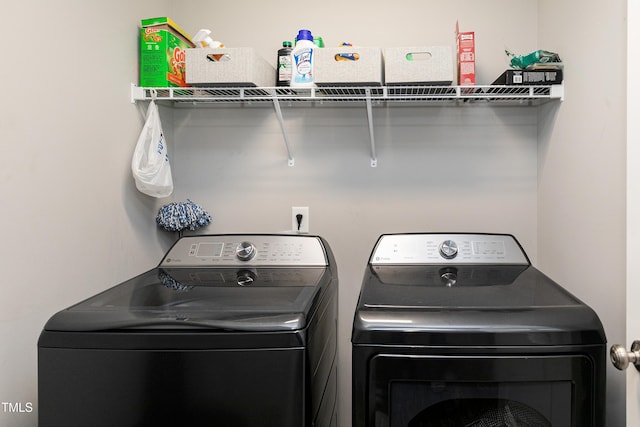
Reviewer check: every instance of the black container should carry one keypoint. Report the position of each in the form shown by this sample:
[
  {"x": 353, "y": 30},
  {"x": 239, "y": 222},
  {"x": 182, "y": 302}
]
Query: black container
[{"x": 284, "y": 65}]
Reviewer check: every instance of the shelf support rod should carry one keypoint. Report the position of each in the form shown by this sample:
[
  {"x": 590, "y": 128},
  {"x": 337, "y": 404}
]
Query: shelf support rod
[
  {"x": 374, "y": 160},
  {"x": 276, "y": 105}
]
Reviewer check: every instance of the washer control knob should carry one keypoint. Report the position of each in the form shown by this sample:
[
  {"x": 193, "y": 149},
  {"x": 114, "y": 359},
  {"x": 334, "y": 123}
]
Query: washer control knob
[
  {"x": 245, "y": 251},
  {"x": 448, "y": 249}
]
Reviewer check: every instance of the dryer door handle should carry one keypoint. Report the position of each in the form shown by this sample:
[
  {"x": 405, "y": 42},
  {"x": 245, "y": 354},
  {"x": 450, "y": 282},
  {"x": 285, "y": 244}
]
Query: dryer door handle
[{"x": 621, "y": 358}]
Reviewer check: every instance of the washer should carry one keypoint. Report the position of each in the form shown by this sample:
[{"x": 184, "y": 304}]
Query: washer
[
  {"x": 234, "y": 330},
  {"x": 459, "y": 329}
]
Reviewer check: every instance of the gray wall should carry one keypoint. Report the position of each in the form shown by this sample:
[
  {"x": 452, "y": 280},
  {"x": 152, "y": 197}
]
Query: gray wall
[
  {"x": 73, "y": 223},
  {"x": 438, "y": 168},
  {"x": 76, "y": 224},
  {"x": 582, "y": 189}
]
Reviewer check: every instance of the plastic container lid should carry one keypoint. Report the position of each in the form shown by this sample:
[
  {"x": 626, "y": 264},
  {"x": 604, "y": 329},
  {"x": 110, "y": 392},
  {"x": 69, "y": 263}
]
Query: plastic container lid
[
  {"x": 304, "y": 35},
  {"x": 286, "y": 43}
]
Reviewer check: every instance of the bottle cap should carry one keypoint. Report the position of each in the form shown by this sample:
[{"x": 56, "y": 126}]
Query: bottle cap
[
  {"x": 286, "y": 43},
  {"x": 318, "y": 41},
  {"x": 304, "y": 35}
]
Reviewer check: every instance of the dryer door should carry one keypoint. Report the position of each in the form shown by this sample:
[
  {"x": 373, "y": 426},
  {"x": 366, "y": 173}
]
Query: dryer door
[{"x": 430, "y": 391}]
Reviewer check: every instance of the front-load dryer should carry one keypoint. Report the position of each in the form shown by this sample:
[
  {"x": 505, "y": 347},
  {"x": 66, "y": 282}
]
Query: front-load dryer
[{"x": 461, "y": 330}]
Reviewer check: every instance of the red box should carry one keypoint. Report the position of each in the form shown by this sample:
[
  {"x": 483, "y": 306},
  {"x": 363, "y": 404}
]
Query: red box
[{"x": 466, "y": 44}]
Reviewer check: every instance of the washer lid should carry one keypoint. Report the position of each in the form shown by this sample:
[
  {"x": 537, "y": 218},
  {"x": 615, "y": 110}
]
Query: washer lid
[
  {"x": 470, "y": 287},
  {"x": 232, "y": 299},
  {"x": 465, "y": 289},
  {"x": 486, "y": 305}
]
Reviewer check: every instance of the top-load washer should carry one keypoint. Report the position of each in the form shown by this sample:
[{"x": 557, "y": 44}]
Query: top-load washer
[
  {"x": 230, "y": 330},
  {"x": 455, "y": 329}
]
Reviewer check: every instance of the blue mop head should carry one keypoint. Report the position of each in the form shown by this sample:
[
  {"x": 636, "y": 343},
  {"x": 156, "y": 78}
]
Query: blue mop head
[{"x": 178, "y": 216}]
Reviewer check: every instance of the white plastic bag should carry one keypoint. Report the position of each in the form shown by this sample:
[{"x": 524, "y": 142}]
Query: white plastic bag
[{"x": 150, "y": 163}]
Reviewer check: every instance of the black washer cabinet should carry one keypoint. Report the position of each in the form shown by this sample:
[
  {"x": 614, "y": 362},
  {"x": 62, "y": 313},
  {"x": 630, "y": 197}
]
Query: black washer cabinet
[
  {"x": 460, "y": 330},
  {"x": 229, "y": 330}
]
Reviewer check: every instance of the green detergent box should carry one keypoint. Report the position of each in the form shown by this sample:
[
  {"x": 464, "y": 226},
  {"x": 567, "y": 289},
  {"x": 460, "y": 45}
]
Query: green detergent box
[{"x": 162, "y": 53}]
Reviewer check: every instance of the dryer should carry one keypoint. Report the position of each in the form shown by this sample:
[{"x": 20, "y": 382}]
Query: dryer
[
  {"x": 227, "y": 330},
  {"x": 459, "y": 329}
]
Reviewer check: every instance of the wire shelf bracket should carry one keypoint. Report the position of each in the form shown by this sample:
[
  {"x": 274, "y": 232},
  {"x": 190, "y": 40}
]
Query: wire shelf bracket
[
  {"x": 276, "y": 106},
  {"x": 374, "y": 159}
]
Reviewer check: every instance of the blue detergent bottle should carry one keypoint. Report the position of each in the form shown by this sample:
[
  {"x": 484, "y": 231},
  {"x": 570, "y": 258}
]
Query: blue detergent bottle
[{"x": 302, "y": 60}]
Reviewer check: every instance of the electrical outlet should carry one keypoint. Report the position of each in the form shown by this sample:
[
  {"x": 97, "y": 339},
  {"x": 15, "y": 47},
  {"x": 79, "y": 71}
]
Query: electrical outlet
[{"x": 300, "y": 219}]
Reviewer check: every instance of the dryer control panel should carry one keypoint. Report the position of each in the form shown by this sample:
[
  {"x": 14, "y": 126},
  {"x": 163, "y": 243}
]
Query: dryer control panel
[
  {"x": 448, "y": 248},
  {"x": 258, "y": 250}
]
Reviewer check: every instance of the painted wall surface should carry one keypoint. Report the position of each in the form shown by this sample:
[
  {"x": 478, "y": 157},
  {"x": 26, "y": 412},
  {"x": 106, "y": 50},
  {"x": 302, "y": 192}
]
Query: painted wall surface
[
  {"x": 582, "y": 180},
  {"x": 74, "y": 223},
  {"x": 439, "y": 168},
  {"x": 459, "y": 170},
  {"x": 441, "y": 182}
]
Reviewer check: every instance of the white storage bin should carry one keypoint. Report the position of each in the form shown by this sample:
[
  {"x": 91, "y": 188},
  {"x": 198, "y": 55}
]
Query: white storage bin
[
  {"x": 228, "y": 67},
  {"x": 432, "y": 65},
  {"x": 365, "y": 69}
]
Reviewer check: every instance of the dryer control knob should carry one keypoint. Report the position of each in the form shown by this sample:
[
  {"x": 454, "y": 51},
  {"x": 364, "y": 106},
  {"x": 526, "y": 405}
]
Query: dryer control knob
[
  {"x": 448, "y": 249},
  {"x": 245, "y": 251}
]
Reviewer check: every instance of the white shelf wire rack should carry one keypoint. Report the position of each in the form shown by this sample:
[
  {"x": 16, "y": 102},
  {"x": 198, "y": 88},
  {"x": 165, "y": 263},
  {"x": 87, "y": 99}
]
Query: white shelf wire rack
[
  {"x": 370, "y": 96},
  {"x": 436, "y": 95}
]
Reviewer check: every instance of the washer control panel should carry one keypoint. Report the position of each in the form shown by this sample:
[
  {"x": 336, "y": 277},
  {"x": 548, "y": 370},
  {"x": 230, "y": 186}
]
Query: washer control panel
[
  {"x": 448, "y": 248},
  {"x": 233, "y": 250}
]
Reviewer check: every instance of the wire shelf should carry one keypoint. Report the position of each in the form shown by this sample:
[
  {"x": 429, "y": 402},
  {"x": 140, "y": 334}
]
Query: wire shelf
[
  {"x": 369, "y": 96},
  {"x": 436, "y": 95}
]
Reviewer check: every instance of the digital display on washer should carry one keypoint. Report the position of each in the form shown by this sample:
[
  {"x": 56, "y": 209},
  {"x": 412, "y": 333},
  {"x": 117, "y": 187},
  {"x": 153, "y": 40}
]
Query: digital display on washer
[
  {"x": 488, "y": 248},
  {"x": 210, "y": 249}
]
